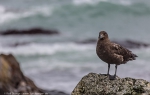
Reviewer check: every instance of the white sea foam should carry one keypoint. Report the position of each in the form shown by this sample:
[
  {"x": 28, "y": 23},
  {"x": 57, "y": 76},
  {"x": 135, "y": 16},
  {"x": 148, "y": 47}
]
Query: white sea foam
[
  {"x": 2, "y": 9},
  {"x": 7, "y": 16},
  {"x": 78, "y": 2},
  {"x": 44, "y": 49},
  {"x": 73, "y": 72},
  {"x": 123, "y": 2},
  {"x": 53, "y": 73},
  {"x": 52, "y": 70}
]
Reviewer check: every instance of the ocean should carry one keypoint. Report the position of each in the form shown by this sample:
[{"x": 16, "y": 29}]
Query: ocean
[{"x": 58, "y": 62}]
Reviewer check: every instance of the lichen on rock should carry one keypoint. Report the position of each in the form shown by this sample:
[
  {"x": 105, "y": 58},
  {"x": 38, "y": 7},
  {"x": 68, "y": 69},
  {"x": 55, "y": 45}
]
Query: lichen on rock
[{"x": 99, "y": 84}]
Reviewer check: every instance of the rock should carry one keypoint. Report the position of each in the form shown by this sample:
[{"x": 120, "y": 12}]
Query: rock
[
  {"x": 88, "y": 41},
  {"x": 126, "y": 43},
  {"x": 99, "y": 84},
  {"x": 32, "y": 31},
  {"x": 12, "y": 78},
  {"x": 18, "y": 44},
  {"x": 132, "y": 44},
  {"x": 13, "y": 81},
  {"x": 55, "y": 92}
]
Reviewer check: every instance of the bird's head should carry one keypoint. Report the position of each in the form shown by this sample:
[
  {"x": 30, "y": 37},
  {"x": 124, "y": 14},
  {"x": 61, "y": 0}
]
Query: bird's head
[{"x": 103, "y": 35}]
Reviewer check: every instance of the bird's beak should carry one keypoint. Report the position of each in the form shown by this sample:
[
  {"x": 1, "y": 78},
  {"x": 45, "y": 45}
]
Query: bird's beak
[{"x": 101, "y": 36}]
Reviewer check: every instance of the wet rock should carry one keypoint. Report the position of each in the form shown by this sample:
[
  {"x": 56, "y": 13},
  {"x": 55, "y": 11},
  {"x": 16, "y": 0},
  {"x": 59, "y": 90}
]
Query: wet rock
[
  {"x": 32, "y": 31},
  {"x": 126, "y": 43},
  {"x": 99, "y": 84},
  {"x": 13, "y": 81},
  {"x": 132, "y": 44},
  {"x": 88, "y": 41},
  {"x": 12, "y": 78},
  {"x": 18, "y": 44},
  {"x": 55, "y": 92}
]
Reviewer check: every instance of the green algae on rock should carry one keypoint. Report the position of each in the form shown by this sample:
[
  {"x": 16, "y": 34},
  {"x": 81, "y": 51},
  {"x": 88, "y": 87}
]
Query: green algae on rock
[{"x": 99, "y": 84}]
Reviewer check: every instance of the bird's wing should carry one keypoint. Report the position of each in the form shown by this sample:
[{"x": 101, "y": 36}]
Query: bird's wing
[
  {"x": 127, "y": 54},
  {"x": 118, "y": 49}
]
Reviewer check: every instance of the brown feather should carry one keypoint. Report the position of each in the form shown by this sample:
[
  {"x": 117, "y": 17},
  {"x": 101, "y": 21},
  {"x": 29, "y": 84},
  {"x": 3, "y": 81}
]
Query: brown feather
[{"x": 112, "y": 53}]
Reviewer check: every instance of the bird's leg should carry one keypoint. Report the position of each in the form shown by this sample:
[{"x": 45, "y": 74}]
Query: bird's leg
[
  {"x": 113, "y": 77},
  {"x": 108, "y": 69},
  {"x": 115, "y": 70}
]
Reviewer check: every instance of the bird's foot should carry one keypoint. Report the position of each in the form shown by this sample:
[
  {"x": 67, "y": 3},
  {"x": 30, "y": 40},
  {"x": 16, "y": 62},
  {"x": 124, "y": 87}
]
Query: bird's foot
[
  {"x": 112, "y": 77},
  {"x": 107, "y": 74}
]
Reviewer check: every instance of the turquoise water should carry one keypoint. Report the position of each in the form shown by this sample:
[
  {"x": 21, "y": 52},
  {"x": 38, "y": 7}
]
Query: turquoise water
[{"x": 58, "y": 62}]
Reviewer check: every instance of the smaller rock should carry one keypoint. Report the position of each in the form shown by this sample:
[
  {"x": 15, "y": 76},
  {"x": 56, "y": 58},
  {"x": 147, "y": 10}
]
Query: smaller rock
[
  {"x": 32, "y": 31},
  {"x": 99, "y": 84},
  {"x": 88, "y": 41},
  {"x": 55, "y": 92},
  {"x": 18, "y": 44},
  {"x": 126, "y": 43},
  {"x": 132, "y": 44}
]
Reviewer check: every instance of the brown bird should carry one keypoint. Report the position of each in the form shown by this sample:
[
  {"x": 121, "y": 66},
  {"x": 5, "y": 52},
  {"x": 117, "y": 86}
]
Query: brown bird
[{"x": 112, "y": 53}]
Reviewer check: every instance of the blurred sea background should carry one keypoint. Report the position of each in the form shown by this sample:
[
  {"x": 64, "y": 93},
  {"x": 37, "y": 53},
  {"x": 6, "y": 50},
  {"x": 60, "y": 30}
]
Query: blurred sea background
[{"x": 58, "y": 62}]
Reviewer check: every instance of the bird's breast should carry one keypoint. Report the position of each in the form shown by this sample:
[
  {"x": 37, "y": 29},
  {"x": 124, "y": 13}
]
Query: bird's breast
[{"x": 101, "y": 50}]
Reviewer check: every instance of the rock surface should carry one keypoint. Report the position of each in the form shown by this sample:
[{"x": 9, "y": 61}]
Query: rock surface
[
  {"x": 13, "y": 81},
  {"x": 132, "y": 44},
  {"x": 126, "y": 43},
  {"x": 88, "y": 41},
  {"x": 99, "y": 84},
  {"x": 32, "y": 31}
]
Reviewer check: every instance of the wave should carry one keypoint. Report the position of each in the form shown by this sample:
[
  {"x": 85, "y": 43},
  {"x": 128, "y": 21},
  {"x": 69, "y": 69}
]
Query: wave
[
  {"x": 9, "y": 15},
  {"x": 123, "y": 2},
  {"x": 78, "y": 13},
  {"x": 44, "y": 49},
  {"x": 100, "y": 6},
  {"x": 51, "y": 49},
  {"x": 78, "y": 2},
  {"x": 48, "y": 10}
]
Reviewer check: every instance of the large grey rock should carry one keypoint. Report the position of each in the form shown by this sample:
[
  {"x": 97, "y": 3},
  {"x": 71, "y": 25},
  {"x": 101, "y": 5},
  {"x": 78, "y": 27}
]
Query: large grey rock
[
  {"x": 99, "y": 84},
  {"x": 13, "y": 81}
]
